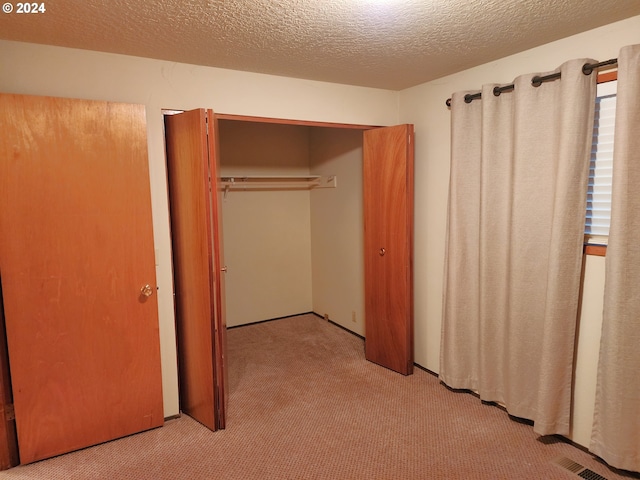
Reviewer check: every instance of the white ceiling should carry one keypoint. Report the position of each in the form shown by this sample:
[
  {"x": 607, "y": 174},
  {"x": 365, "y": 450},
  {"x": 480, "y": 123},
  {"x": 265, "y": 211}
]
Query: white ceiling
[{"x": 392, "y": 44}]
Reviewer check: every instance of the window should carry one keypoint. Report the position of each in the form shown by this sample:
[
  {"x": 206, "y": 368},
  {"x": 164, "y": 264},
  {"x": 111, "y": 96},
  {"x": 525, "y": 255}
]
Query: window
[{"x": 600, "y": 171}]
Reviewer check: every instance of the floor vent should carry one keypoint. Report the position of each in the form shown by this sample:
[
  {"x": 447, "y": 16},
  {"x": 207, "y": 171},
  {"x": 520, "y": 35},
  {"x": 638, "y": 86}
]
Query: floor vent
[
  {"x": 578, "y": 469},
  {"x": 590, "y": 475}
]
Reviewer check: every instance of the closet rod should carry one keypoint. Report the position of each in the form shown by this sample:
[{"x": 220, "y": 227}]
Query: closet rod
[
  {"x": 536, "y": 81},
  {"x": 248, "y": 182}
]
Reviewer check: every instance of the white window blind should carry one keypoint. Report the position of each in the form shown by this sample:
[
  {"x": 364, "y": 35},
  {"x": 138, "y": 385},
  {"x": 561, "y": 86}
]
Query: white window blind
[{"x": 601, "y": 168}]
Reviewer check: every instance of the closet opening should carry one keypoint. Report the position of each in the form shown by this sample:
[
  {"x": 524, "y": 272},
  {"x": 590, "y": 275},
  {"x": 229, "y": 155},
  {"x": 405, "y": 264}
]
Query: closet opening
[
  {"x": 283, "y": 206},
  {"x": 296, "y": 247}
]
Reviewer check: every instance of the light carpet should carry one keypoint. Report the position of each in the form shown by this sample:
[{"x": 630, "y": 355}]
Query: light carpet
[{"x": 305, "y": 404}]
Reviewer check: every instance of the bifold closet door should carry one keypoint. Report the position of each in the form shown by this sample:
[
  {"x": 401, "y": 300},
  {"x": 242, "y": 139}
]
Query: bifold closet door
[
  {"x": 78, "y": 272},
  {"x": 198, "y": 273},
  {"x": 388, "y": 225}
]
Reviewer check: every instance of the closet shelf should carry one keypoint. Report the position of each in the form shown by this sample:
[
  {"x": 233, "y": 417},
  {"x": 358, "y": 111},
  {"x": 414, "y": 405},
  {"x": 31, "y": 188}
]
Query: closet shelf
[{"x": 263, "y": 182}]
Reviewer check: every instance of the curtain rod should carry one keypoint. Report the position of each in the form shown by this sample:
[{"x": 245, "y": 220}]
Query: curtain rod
[{"x": 536, "y": 81}]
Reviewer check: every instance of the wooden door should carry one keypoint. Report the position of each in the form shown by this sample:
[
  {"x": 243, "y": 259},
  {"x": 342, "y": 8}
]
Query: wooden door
[
  {"x": 76, "y": 251},
  {"x": 8, "y": 436},
  {"x": 197, "y": 250},
  {"x": 388, "y": 225}
]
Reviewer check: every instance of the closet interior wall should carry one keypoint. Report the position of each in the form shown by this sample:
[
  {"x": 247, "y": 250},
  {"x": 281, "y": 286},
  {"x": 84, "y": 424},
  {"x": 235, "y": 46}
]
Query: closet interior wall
[{"x": 291, "y": 251}]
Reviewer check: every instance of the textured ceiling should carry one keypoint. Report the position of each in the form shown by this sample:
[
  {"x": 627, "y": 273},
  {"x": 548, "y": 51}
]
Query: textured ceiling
[{"x": 392, "y": 44}]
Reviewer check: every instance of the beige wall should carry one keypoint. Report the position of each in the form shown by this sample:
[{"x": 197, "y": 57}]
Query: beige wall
[
  {"x": 337, "y": 228},
  {"x": 587, "y": 348},
  {"x": 43, "y": 70},
  {"x": 424, "y": 106},
  {"x": 267, "y": 234}
]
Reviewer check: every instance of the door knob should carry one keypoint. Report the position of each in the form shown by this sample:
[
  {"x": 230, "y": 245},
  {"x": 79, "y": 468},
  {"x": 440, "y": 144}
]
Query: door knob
[
  {"x": 146, "y": 290},
  {"x": 382, "y": 252},
  {"x": 223, "y": 269}
]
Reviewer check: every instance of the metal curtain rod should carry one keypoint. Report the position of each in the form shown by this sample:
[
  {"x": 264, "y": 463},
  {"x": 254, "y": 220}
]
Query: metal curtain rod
[{"x": 536, "y": 81}]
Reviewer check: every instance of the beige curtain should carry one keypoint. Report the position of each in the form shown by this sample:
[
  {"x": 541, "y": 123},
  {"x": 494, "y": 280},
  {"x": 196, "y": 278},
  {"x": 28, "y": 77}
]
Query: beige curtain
[
  {"x": 616, "y": 427},
  {"x": 519, "y": 169}
]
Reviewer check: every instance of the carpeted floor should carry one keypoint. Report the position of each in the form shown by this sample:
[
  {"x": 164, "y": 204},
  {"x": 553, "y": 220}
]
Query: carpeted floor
[{"x": 304, "y": 404}]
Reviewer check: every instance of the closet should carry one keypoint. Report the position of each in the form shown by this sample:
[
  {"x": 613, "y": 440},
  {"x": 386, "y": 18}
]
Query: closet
[
  {"x": 284, "y": 235},
  {"x": 292, "y": 249},
  {"x": 291, "y": 208}
]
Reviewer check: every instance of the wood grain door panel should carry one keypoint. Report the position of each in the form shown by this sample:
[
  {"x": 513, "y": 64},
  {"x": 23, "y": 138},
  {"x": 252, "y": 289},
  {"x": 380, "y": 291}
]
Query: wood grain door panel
[
  {"x": 191, "y": 170},
  {"x": 76, "y": 246},
  {"x": 388, "y": 223}
]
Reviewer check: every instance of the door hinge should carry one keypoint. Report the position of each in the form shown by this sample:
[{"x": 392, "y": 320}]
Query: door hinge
[{"x": 9, "y": 412}]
